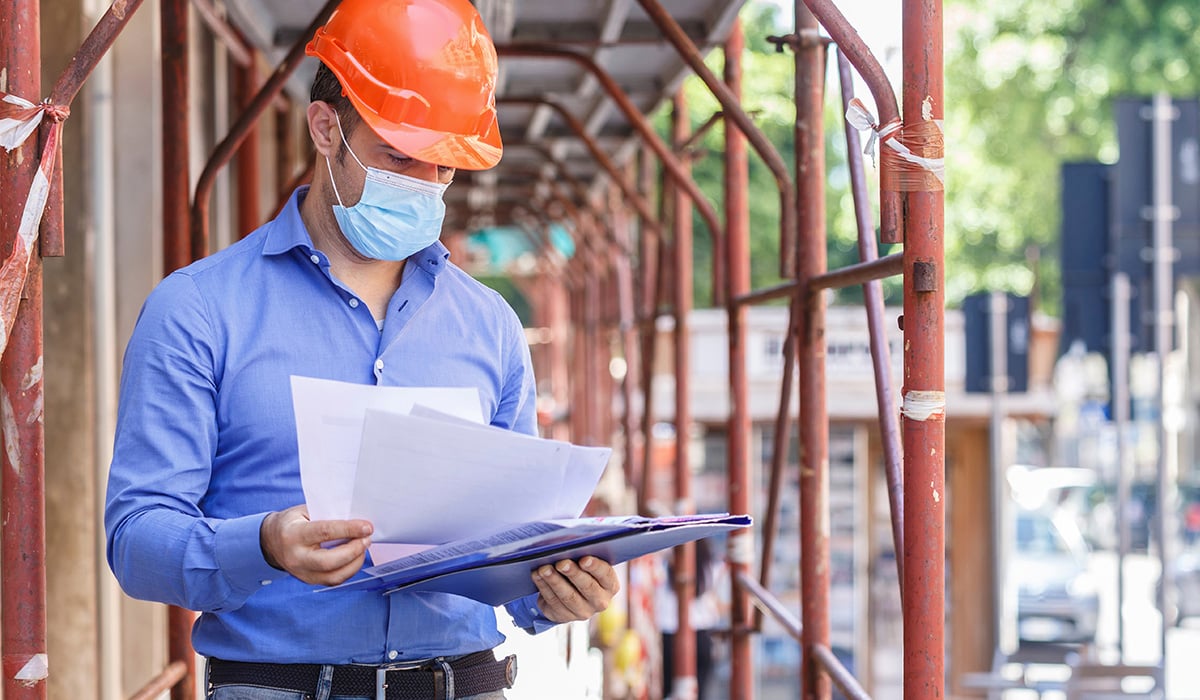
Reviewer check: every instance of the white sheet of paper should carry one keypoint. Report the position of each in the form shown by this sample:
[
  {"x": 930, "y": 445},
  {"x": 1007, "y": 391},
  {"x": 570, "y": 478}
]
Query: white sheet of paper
[
  {"x": 329, "y": 422},
  {"x": 427, "y": 480}
]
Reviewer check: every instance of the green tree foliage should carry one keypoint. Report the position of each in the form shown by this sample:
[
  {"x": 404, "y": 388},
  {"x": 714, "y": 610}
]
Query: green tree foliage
[{"x": 1029, "y": 85}]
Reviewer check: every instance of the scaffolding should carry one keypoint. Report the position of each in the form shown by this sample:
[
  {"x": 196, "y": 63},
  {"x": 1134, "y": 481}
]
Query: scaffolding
[{"x": 614, "y": 286}]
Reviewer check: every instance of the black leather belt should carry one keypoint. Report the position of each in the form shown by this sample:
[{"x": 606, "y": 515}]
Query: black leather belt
[{"x": 436, "y": 679}]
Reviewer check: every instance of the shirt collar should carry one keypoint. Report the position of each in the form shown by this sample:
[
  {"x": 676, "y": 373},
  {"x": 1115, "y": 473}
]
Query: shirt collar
[{"x": 288, "y": 231}]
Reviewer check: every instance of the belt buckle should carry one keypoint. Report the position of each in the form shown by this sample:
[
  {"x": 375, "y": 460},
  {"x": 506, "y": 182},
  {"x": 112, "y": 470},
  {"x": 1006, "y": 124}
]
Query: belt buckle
[{"x": 382, "y": 670}]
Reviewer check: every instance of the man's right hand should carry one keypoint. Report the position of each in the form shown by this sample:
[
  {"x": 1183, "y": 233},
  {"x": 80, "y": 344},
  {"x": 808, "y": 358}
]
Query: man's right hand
[{"x": 292, "y": 542}]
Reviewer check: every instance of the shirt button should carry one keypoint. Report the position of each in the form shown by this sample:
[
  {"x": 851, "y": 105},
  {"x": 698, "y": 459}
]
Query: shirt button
[
  {"x": 265, "y": 582},
  {"x": 393, "y": 654},
  {"x": 379, "y": 365},
  {"x": 353, "y": 303},
  {"x": 315, "y": 258}
]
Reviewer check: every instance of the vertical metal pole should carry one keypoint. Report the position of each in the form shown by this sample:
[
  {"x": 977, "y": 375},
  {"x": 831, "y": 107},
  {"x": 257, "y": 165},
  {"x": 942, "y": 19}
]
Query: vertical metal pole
[
  {"x": 174, "y": 28},
  {"x": 737, "y": 255},
  {"x": 245, "y": 85},
  {"x": 653, "y": 267},
  {"x": 684, "y": 684},
  {"x": 1003, "y": 599},
  {"x": 22, "y": 500},
  {"x": 924, "y": 425},
  {"x": 1163, "y": 216},
  {"x": 814, "y": 422},
  {"x": 881, "y": 355},
  {"x": 626, "y": 328},
  {"x": 175, "y": 105},
  {"x": 1120, "y": 413}
]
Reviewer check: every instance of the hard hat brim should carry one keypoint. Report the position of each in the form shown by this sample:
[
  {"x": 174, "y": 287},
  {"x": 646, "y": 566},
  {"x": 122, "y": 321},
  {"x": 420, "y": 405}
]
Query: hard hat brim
[{"x": 454, "y": 150}]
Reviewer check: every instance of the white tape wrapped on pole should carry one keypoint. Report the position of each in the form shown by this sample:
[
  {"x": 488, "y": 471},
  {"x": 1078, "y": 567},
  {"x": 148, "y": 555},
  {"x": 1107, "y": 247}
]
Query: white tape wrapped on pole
[
  {"x": 861, "y": 118},
  {"x": 19, "y": 119}
]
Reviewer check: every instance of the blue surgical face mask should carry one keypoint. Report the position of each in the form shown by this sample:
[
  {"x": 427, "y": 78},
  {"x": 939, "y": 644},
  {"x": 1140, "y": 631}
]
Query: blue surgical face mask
[{"x": 396, "y": 215}]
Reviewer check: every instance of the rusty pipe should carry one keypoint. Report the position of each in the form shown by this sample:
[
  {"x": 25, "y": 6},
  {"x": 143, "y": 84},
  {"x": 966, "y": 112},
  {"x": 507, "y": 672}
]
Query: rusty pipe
[
  {"x": 859, "y": 55},
  {"x": 765, "y": 601},
  {"x": 737, "y": 255},
  {"x": 176, "y": 114},
  {"x": 858, "y": 273},
  {"x": 889, "y": 427},
  {"x": 639, "y": 202},
  {"x": 640, "y": 124},
  {"x": 891, "y": 223},
  {"x": 245, "y": 122},
  {"x": 239, "y": 51},
  {"x": 842, "y": 678},
  {"x": 924, "y": 417},
  {"x": 733, "y": 111}
]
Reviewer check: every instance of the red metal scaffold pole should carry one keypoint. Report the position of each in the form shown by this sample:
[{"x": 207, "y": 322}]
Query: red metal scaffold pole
[
  {"x": 924, "y": 419},
  {"x": 737, "y": 253},
  {"x": 23, "y": 602},
  {"x": 810, "y": 341}
]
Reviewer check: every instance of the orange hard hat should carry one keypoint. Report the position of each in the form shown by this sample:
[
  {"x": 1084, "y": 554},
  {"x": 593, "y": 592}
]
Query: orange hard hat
[{"x": 421, "y": 73}]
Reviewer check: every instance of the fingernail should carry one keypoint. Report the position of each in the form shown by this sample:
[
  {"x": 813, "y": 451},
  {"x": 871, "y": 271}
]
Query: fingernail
[
  {"x": 564, "y": 566},
  {"x": 586, "y": 563},
  {"x": 366, "y": 530},
  {"x": 545, "y": 572}
]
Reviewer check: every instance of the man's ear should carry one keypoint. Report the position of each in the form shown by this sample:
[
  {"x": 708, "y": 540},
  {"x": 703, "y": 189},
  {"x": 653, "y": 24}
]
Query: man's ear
[{"x": 323, "y": 128}]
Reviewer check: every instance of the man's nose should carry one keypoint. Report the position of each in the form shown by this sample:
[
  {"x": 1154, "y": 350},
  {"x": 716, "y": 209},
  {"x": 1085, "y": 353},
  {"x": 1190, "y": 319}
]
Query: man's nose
[{"x": 424, "y": 171}]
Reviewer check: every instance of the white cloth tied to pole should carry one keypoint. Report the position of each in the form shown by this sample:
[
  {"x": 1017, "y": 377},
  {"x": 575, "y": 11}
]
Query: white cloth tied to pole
[
  {"x": 19, "y": 119},
  {"x": 862, "y": 119}
]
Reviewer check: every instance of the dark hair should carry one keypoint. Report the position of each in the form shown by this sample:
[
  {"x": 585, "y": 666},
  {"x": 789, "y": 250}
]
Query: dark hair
[{"x": 327, "y": 88}]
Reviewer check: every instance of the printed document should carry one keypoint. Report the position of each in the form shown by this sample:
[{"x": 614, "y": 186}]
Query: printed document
[
  {"x": 421, "y": 466},
  {"x": 329, "y": 422}
]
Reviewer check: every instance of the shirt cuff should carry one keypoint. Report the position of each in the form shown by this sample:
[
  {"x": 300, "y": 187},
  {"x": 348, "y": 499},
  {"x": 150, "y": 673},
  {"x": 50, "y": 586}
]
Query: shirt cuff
[
  {"x": 239, "y": 553},
  {"x": 526, "y": 615}
]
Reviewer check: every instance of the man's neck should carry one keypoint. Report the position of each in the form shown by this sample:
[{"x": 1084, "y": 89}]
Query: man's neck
[{"x": 374, "y": 281}]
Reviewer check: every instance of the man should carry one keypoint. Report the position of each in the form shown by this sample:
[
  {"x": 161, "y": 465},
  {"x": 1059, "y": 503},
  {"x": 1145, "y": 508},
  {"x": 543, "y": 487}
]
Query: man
[{"x": 350, "y": 283}]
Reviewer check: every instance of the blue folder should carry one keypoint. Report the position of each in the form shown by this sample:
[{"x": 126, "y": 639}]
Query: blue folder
[{"x": 496, "y": 569}]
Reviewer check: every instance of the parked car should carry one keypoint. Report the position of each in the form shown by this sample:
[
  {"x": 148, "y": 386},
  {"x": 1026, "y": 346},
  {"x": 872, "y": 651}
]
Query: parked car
[{"x": 1057, "y": 598}]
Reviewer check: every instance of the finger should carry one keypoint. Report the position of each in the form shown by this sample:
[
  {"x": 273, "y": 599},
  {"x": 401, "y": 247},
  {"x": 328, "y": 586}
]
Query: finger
[
  {"x": 564, "y": 588},
  {"x": 318, "y": 531},
  {"x": 340, "y": 575},
  {"x": 596, "y": 594},
  {"x": 603, "y": 572},
  {"x": 582, "y": 580},
  {"x": 320, "y": 560},
  {"x": 548, "y": 601}
]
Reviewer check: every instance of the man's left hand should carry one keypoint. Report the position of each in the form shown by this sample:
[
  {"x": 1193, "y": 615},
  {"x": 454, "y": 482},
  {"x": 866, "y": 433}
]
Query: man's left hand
[{"x": 572, "y": 590}]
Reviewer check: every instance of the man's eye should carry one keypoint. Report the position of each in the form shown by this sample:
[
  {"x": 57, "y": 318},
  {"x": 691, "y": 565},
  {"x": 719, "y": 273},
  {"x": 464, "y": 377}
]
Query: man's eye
[{"x": 400, "y": 160}]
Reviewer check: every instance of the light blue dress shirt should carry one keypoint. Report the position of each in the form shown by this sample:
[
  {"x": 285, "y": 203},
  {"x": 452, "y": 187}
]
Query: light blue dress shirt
[{"x": 206, "y": 441}]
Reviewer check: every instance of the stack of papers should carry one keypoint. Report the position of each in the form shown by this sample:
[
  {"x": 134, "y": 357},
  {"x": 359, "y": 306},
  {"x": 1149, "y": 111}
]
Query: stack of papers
[
  {"x": 496, "y": 569},
  {"x": 421, "y": 466},
  {"x": 458, "y": 506}
]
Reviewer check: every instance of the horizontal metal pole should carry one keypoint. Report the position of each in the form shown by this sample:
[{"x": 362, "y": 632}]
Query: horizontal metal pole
[
  {"x": 758, "y": 296},
  {"x": 767, "y": 602},
  {"x": 843, "y": 679},
  {"x": 172, "y": 674},
  {"x": 859, "y": 273}
]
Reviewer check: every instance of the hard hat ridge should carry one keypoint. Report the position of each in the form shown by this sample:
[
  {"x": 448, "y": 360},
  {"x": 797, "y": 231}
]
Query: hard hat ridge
[{"x": 421, "y": 73}]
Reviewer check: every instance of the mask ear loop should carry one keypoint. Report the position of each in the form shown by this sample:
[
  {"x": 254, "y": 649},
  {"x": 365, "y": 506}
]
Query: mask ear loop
[{"x": 329, "y": 168}]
